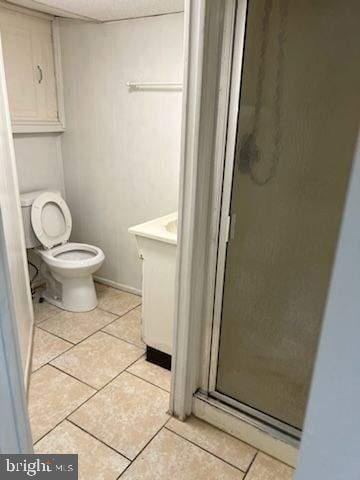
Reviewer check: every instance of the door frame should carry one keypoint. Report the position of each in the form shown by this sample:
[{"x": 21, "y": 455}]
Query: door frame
[
  {"x": 15, "y": 433},
  {"x": 16, "y": 316},
  {"x": 14, "y": 230},
  {"x": 209, "y": 30}
]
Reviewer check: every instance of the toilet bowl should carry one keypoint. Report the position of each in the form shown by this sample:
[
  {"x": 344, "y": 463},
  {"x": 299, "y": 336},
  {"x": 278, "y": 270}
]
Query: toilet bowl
[
  {"x": 67, "y": 266},
  {"x": 72, "y": 266}
]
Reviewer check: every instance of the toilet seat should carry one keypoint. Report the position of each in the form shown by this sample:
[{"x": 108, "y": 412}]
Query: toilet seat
[
  {"x": 51, "y": 219},
  {"x": 57, "y": 256}
]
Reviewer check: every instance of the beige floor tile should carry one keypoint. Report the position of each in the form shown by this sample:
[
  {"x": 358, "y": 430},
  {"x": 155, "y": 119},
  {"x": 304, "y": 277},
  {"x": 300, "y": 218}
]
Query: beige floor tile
[
  {"x": 267, "y": 468},
  {"x": 125, "y": 414},
  {"x": 46, "y": 347},
  {"x": 43, "y": 311},
  {"x": 74, "y": 327},
  {"x": 96, "y": 460},
  {"x": 53, "y": 396},
  {"x": 98, "y": 359},
  {"x": 116, "y": 301},
  {"x": 169, "y": 456},
  {"x": 151, "y": 373},
  {"x": 128, "y": 327},
  {"x": 215, "y": 441}
]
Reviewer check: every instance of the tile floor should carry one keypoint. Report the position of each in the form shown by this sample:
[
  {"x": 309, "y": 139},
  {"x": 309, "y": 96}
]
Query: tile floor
[{"x": 93, "y": 393}]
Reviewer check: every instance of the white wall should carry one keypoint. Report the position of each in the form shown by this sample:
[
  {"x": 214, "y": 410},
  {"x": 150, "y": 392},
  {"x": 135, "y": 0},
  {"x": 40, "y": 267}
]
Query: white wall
[
  {"x": 331, "y": 438},
  {"x": 40, "y": 167},
  {"x": 120, "y": 148},
  {"x": 39, "y": 162}
]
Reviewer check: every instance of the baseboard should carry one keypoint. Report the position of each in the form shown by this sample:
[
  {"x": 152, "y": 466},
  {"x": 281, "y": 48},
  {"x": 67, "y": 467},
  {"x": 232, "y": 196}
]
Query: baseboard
[
  {"x": 118, "y": 286},
  {"x": 213, "y": 412},
  {"x": 162, "y": 359}
]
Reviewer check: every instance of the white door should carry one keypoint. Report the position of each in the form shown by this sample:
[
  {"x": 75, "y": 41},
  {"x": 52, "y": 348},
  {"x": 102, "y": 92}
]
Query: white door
[{"x": 16, "y": 318}]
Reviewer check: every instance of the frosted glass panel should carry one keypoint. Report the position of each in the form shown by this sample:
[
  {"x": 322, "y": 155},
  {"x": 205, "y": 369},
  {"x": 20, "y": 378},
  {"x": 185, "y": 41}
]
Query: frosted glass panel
[{"x": 298, "y": 123}]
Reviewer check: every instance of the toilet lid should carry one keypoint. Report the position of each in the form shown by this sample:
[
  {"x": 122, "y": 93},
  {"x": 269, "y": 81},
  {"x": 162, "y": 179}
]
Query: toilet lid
[{"x": 51, "y": 219}]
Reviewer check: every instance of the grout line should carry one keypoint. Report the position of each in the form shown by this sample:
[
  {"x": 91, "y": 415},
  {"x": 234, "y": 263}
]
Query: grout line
[
  {"x": 83, "y": 403},
  {"x": 145, "y": 380},
  {"x": 144, "y": 447},
  {"x": 46, "y": 319},
  {"x": 117, "y": 317},
  {"x": 274, "y": 458},
  {"x": 54, "y": 358},
  {"x": 83, "y": 381},
  {"x": 72, "y": 376},
  {"x": 251, "y": 464},
  {"x": 122, "y": 314},
  {"x": 55, "y": 313},
  {"x": 208, "y": 451},
  {"x": 123, "y": 339},
  {"x": 55, "y": 335},
  {"x": 96, "y": 438},
  {"x": 85, "y": 338}
]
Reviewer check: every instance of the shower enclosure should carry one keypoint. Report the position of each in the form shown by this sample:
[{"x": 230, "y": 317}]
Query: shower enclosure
[{"x": 282, "y": 204}]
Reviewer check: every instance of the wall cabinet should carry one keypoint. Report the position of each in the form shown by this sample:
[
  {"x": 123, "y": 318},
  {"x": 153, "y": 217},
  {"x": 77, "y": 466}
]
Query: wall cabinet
[{"x": 31, "y": 72}]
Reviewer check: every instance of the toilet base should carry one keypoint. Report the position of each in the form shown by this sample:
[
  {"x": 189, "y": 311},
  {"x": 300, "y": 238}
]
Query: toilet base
[{"x": 77, "y": 294}]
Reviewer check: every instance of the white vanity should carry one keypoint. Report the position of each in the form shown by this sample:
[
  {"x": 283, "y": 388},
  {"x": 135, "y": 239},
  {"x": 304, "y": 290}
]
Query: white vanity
[{"x": 157, "y": 243}]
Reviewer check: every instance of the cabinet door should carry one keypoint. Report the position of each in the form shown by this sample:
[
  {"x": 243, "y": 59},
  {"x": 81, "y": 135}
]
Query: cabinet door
[
  {"x": 30, "y": 71},
  {"x": 45, "y": 66},
  {"x": 18, "y": 48}
]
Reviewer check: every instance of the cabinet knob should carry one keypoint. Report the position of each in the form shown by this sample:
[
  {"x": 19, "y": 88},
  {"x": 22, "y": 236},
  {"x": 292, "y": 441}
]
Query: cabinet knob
[{"x": 40, "y": 74}]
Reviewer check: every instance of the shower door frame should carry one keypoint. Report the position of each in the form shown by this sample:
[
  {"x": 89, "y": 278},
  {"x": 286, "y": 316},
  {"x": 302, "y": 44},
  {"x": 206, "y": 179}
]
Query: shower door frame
[
  {"x": 214, "y": 35},
  {"x": 226, "y": 231}
]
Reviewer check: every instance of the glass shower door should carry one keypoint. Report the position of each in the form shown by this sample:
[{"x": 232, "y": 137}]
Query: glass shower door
[{"x": 296, "y": 130}]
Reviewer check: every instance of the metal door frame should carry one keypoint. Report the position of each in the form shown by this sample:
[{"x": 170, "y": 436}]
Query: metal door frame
[{"x": 236, "y": 75}]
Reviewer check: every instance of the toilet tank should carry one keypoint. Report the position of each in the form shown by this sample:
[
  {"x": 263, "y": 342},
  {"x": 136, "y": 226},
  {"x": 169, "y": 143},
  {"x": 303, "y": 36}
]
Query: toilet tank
[{"x": 26, "y": 201}]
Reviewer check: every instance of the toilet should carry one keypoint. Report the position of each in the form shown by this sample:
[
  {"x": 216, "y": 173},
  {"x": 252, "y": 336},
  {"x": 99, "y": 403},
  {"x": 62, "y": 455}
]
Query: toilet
[{"x": 66, "y": 266}]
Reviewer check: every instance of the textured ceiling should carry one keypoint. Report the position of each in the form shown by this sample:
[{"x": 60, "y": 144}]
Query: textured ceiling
[{"x": 104, "y": 10}]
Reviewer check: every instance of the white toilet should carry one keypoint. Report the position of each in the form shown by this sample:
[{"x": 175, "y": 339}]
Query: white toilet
[{"x": 67, "y": 267}]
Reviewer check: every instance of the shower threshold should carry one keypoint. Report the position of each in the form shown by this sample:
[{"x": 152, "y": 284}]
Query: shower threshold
[{"x": 258, "y": 432}]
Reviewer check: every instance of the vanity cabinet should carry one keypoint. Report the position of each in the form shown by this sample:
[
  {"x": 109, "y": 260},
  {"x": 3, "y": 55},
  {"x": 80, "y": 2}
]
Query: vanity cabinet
[{"x": 30, "y": 70}]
